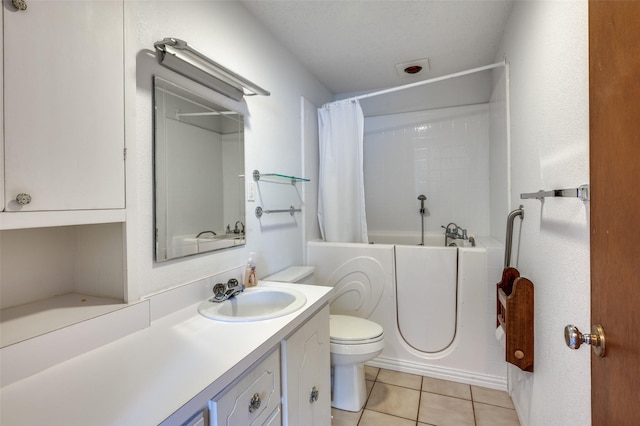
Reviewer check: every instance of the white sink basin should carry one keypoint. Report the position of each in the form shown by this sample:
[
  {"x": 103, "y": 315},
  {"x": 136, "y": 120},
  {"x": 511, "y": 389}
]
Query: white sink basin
[{"x": 254, "y": 304}]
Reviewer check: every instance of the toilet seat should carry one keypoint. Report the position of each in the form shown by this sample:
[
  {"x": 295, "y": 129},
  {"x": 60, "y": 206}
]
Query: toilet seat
[
  {"x": 348, "y": 330},
  {"x": 354, "y": 336}
]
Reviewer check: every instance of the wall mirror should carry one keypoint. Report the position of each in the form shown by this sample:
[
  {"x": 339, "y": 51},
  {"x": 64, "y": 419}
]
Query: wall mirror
[{"x": 199, "y": 173}]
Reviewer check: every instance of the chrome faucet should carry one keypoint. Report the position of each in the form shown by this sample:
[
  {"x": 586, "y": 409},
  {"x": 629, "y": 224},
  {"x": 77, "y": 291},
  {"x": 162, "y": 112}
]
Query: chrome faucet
[
  {"x": 205, "y": 232},
  {"x": 237, "y": 230},
  {"x": 454, "y": 232},
  {"x": 222, "y": 292}
]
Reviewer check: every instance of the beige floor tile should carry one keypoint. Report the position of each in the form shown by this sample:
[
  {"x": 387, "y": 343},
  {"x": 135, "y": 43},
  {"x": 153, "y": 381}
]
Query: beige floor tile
[
  {"x": 394, "y": 400},
  {"x": 373, "y": 418},
  {"x": 370, "y": 373},
  {"x": 445, "y": 387},
  {"x": 445, "y": 410},
  {"x": 491, "y": 415},
  {"x": 397, "y": 378},
  {"x": 344, "y": 418},
  {"x": 491, "y": 397}
]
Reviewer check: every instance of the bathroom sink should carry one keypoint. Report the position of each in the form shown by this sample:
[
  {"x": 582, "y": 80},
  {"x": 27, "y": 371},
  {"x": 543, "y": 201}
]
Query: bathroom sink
[{"x": 254, "y": 304}]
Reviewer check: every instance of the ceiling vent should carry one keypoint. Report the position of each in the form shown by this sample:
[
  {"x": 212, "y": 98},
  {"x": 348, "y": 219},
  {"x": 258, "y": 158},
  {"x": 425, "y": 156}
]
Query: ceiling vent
[{"x": 408, "y": 69}]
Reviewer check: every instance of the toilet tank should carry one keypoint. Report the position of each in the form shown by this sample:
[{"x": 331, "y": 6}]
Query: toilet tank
[{"x": 294, "y": 274}]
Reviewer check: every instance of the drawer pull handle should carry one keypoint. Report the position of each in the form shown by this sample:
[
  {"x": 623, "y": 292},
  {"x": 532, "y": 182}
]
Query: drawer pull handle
[
  {"x": 313, "y": 397},
  {"x": 255, "y": 403}
]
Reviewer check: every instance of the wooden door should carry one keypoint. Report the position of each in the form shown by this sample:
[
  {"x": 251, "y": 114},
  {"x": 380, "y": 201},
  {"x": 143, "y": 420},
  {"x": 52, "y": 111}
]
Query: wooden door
[{"x": 614, "y": 86}]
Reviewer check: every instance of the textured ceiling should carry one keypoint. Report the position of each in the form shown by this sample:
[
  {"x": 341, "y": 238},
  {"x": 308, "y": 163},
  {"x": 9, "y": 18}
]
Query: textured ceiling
[{"x": 353, "y": 45}]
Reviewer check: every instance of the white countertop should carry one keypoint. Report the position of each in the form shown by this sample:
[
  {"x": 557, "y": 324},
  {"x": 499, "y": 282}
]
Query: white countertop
[{"x": 143, "y": 378}]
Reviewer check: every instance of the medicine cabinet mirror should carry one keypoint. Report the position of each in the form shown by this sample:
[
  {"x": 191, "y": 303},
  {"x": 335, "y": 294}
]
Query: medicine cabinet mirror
[{"x": 199, "y": 173}]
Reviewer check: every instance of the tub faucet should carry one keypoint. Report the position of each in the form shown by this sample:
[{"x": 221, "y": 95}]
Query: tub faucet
[
  {"x": 237, "y": 230},
  {"x": 454, "y": 232},
  {"x": 205, "y": 232}
]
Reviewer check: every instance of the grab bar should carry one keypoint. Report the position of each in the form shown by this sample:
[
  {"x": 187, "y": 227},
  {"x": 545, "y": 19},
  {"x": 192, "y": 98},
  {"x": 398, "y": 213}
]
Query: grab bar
[
  {"x": 581, "y": 192},
  {"x": 508, "y": 242},
  {"x": 260, "y": 211}
]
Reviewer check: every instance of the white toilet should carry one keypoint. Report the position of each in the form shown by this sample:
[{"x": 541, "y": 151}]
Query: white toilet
[{"x": 354, "y": 341}]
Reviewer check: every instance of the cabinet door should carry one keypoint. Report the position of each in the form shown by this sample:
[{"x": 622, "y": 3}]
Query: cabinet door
[
  {"x": 307, "y": 374},
  {"x": 64, "y": 105}
]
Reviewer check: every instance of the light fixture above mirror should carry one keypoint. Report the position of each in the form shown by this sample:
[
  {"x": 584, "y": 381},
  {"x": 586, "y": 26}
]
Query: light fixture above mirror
[{"x": 178, "y": 56}]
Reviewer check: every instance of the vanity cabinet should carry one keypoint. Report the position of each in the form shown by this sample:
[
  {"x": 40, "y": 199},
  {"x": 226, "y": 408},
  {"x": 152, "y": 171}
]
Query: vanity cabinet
[
  {"x": 63, "y": 106},
  {"x": 292, "y": 384},
  {"x": 306, "y": 377}
]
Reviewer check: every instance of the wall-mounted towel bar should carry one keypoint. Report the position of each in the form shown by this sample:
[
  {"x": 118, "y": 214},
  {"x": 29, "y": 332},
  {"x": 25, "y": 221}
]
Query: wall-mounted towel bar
[
  {"x": 291, "y": 210},
  {"x": 581, "y": 192}
]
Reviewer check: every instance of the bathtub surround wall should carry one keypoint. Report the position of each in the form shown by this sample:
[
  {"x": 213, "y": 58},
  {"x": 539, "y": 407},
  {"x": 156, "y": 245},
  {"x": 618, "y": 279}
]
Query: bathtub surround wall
[
  {"x": 441, "y": 153},
  {"x": 229, "y": 34},
  {"x": 546, "y": 43}
]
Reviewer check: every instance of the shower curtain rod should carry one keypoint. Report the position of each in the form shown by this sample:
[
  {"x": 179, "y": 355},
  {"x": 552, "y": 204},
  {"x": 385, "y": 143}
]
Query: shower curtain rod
[{"x": 431, "y": 80}]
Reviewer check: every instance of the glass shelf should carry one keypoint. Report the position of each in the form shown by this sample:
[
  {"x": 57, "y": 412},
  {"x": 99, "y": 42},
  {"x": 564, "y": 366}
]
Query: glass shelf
[{"x": 277, "y": 178}]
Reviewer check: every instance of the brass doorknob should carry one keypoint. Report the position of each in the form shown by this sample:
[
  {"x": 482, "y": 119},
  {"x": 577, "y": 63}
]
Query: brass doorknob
[{"x": 574, "y": 338}]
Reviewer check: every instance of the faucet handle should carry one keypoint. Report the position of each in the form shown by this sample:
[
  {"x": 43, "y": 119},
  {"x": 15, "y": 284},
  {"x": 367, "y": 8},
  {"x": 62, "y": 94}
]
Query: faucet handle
[
  {"x": 233, "y": 287},
  {"x": 219, "y": 291}
]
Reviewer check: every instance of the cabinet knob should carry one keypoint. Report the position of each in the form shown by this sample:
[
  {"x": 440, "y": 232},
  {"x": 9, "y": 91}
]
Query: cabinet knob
[
  {"x": 23, "y": 199},
  {"x": 255, "y": 402},
  {"x": 19, "y": 4},
  {"x": 313, "y": 397}
]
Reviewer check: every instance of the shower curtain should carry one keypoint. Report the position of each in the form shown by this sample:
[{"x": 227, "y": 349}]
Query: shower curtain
[{"x": 341, "y": 212}]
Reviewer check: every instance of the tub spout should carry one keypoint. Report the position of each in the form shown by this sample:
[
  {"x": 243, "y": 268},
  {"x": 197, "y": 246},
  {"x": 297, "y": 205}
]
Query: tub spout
[{"x": 454, "y": 232}]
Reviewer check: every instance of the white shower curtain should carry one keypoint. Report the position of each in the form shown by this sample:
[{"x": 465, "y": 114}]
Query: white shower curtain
[{"x": 341, "y": 210}]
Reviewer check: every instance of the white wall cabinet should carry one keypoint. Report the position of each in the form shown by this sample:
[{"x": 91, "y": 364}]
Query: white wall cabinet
[
  {"x": 64, "y": 106},
  {"x": 63, "y": 145},
  {"x": 306, "y": 373}
]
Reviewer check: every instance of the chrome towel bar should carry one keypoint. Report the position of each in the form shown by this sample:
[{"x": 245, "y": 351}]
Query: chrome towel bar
[
  {"x": 581, "y": 192},
  {"x": 291, "y": 210}
]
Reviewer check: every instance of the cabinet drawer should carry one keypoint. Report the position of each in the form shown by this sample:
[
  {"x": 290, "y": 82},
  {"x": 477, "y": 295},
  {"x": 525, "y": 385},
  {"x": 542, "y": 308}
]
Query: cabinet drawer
[{"x": 253, "y": 399}]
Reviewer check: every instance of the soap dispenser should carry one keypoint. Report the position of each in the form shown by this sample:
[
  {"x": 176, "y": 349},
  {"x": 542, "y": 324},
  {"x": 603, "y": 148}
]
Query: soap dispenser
[{"x": 250, "y": 277}]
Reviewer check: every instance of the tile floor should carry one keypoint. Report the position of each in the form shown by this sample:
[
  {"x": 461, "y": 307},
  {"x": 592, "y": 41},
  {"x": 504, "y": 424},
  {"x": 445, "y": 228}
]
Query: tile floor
[{"x": 399, "y": 399}]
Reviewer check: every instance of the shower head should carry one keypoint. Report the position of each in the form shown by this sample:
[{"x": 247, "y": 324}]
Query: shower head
[{"x": 421, "y": 197}]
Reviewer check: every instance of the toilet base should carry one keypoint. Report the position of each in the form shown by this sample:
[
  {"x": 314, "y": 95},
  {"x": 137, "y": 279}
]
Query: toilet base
[{"x": 349, "y": 387}]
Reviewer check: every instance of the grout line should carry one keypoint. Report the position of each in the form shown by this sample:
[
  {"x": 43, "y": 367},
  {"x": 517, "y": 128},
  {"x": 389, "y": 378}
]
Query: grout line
[
  {"x": 419, "y": 399},
  {"x": 473, "y": 406}
]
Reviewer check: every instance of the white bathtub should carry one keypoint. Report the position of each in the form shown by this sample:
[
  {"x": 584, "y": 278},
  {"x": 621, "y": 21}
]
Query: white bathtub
[{"x": 432, "y": 303}]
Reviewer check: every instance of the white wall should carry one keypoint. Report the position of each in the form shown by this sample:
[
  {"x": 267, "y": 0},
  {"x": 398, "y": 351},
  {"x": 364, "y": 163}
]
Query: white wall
[
  {"x": 546, "y": 44},
  {"x": 229, "y": 34},
  {"x": 499, "y": 176},
  {"x": 443, "y": 154}
]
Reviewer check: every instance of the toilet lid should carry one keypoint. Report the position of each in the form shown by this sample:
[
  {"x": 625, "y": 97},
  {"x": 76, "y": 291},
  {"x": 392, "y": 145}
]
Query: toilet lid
[{"x": 344, "y": 328}]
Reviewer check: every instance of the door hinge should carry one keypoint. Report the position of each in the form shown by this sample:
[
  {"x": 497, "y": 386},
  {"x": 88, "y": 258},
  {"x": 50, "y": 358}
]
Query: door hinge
[{"x": 125, "y": 153}]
